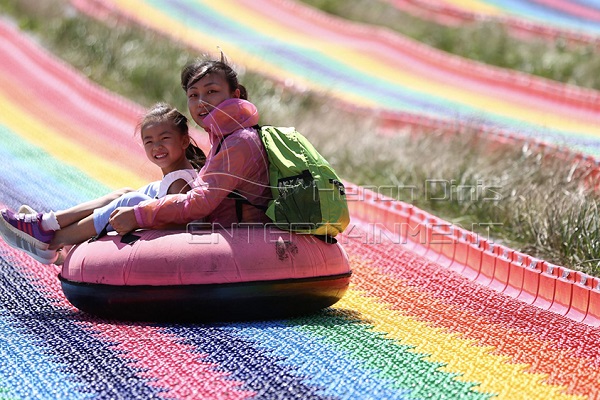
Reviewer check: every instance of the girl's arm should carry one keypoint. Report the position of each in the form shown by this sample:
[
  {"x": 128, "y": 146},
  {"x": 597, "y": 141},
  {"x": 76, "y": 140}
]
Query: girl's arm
[{"x": 179, "y": 186}]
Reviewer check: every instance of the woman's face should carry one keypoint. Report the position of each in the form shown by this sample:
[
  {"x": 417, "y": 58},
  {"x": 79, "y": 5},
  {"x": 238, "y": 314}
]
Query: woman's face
[{"x": 207, "y": 93}]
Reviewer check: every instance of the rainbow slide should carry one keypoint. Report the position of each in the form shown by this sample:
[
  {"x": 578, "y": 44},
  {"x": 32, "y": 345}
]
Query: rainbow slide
[
  {"x": 407, "y": 327},
  {"x": 578, "y": 20},
  {"x": 371, "y": 68}
]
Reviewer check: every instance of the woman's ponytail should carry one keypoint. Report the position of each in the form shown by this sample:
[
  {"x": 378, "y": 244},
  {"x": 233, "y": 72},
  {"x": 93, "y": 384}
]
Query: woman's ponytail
[
  {"x": 195, "y": 155},
  {"x": 243, "y": 92}
]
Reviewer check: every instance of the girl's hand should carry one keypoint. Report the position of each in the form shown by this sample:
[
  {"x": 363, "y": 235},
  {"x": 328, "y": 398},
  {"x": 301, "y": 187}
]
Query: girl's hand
[{"x": 123, "y": 220}]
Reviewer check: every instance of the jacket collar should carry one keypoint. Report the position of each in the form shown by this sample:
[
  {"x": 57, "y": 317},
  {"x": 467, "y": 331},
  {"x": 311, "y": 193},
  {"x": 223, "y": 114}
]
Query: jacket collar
[{"x": 229, "y": 116}]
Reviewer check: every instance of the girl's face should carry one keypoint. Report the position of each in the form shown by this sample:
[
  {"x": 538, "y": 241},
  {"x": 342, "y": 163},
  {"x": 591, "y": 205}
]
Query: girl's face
[
  {"x": 165, "y": 146},
  {"x": 207, "y": 93}
]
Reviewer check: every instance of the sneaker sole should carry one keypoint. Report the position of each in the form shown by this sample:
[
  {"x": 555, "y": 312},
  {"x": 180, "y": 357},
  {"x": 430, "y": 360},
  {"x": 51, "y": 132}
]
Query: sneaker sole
[
  {"x": 61, "y": 254},
  {"x": 7, "y": 229},
  {"x": 26, "y": 247}
]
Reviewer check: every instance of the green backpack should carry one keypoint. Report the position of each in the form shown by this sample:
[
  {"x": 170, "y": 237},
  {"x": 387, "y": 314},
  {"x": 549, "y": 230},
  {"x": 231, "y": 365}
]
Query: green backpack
[{"x": 308, "y": 196}]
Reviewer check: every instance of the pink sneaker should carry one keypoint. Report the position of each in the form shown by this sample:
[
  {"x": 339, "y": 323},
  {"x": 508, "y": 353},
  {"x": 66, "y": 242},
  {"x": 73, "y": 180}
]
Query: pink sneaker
[
  {"x": 25, "y": 209},
  {"x": 23, "y": 232}
]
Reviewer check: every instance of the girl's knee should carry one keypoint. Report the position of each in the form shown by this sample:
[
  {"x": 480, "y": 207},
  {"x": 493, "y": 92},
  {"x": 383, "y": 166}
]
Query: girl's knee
[
  {"x": 126, "y": 190},
  {"x": 131, "y": 199},
  {"x": 114, "y": 195},
  {"x": 120, "y": 192}
]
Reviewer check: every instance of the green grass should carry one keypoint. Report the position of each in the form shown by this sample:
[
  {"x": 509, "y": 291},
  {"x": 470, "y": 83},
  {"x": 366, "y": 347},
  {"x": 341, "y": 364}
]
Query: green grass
[
  {"x": 486, "y": 42},
  {"x": 520, "y": 198}
]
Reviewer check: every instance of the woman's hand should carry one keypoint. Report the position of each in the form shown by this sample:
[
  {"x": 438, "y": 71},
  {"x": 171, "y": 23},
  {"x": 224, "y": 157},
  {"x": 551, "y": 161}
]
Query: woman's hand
[{"x": 123, "y": 220}]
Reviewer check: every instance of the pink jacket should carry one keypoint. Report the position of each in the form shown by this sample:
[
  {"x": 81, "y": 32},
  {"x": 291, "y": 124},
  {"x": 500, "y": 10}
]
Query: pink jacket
[{"x": 240, "y": 164}]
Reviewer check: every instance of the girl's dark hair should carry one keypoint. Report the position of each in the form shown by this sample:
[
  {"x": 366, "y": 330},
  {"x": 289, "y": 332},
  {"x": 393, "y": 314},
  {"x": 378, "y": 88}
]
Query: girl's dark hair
[
  {"x": 163, "y": 112},
  {"x": 197, "y": 70}
]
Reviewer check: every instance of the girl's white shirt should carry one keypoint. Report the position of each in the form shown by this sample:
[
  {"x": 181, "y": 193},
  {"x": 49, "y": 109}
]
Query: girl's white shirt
[{"x": 158, "y": 189}]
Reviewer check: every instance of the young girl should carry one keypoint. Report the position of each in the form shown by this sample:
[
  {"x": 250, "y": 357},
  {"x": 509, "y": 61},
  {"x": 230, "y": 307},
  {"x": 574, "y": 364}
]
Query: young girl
[
  {"x": 237, "y": 160},
  {"x": 167, "y": 143}
]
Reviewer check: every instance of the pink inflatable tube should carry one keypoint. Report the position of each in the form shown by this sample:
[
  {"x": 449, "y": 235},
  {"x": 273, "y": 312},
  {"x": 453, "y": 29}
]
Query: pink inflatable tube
[{"x": 223, "y": 274}]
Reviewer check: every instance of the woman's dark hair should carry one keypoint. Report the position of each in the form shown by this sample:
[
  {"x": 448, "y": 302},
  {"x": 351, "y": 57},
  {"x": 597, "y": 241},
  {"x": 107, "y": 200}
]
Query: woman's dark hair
[
  {"x": 163, "y": 112},
  {"x": 195, "y": 155},
  {"x": 197, "y": 70}
]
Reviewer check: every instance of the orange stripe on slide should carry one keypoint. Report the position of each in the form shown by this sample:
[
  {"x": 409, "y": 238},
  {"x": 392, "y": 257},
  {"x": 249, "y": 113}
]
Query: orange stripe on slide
[{"x": 427, "y": 303}]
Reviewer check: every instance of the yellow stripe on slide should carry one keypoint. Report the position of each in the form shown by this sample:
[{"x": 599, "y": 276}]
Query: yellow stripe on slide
[
  {"x": 159, "y": 21},
  {"x": 475, "y": 6},
  {"x": 483, "y": 103},
  {"x": 382, "y": 70},
  {"x": 474, "y": 363},
  {"x": 60, "y": 148}
]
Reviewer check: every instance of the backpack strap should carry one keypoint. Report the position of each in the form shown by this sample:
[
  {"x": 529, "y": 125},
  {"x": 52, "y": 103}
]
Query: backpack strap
[
  {"x": 326, "y": 238},
  {"x": 240, "y": 199},
  {"x": 257, "y": 127}
]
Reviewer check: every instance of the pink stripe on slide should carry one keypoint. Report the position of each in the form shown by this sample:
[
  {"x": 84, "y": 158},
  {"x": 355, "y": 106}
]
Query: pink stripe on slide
[{"x": 174, "y": 365}]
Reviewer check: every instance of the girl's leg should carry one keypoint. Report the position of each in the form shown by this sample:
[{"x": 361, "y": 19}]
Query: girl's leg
[
  {"x": 95, "y": 221},
  {"x": 23, "y": 230},
  {"x": 80, "y": 211},
  {"x": 77, "y": 232}
]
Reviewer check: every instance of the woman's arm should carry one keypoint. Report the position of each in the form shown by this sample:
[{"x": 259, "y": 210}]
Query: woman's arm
[
  {"x": 123, "y": 220},
  {"x": 235, "y": 163}
]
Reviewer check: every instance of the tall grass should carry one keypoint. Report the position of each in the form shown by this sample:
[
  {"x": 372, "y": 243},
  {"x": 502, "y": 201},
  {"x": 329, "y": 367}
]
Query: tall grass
[
  {"x": 516, "y": 196},
  {"x": 487, "y": 42},
  {"x": 513, "y": 196}
]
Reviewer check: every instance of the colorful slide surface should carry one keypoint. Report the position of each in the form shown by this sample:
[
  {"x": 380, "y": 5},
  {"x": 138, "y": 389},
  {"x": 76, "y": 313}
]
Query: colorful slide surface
[
  {"x": 372, "y": 68},
  {"x": 552, "y": 18},
  {"x": 407, "y": 328}
]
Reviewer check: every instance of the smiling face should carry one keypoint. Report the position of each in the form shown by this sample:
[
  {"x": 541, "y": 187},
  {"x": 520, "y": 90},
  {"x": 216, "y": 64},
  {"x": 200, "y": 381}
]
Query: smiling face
[
  {"x": 165, "y": 146},
  {"x": 206, "y": 93}
]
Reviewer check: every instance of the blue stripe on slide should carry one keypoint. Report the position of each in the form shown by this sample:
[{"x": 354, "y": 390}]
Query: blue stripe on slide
[
  {"x": 306, "y": 351},
  {"x": 244, "y": 360},
  {"x": 546, "y": 15},
  {"x": 20, "y": 354},
  {"x": 52, "y": 356},
  {"x": 36, "y": 178}
]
